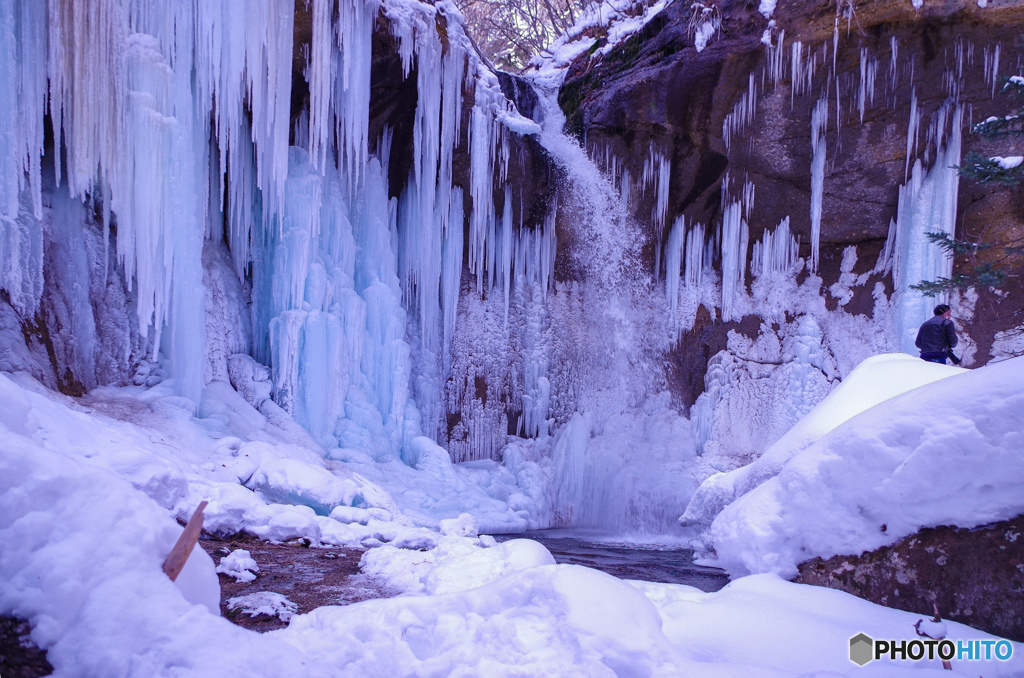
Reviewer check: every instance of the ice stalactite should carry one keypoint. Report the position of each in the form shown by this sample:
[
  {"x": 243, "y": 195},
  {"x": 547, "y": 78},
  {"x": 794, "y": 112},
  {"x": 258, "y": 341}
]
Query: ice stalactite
[
  {"x": 913, "y": 126},
  {"x": 742, "y": 116},
  {"x": 174, "y": 121},
  {"x": 698, "y": 255},
  {"x": 776, "y": 252},
  {"x": 657, "y": 174},
  {"x": 775, "y": 64},
  {"x": 735, "y": 236},
  {"x": 991, "y": 66},
  {"x": 866, "y": 88},
  {"x": 804, "y": 63},
  {"x": 927, "y": 204},
  {"x": 673, "y": 264},
  {"x": 23, "y": 35},
  {"x": 819, "y": 121},
  {"x": 688, "y": 259}
]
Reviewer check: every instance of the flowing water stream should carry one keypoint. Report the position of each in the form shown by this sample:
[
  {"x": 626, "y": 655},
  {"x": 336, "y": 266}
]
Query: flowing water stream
[{"x": 668, "y": 563}]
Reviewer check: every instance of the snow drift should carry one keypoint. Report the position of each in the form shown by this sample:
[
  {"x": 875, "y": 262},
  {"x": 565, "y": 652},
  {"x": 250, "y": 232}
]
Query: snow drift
[{"x": 947, "y": 453}]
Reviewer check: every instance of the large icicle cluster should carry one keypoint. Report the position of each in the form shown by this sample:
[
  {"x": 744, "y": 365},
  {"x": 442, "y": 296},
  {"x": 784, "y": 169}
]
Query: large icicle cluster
[{"x": 174, "y": 121}]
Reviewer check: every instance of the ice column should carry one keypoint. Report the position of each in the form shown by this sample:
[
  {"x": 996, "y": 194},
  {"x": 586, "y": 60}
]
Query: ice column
[
  {"x": 734, "y": 237},
  {"x": 927, "y": 204},
  {"x": 819, "y": 121}
]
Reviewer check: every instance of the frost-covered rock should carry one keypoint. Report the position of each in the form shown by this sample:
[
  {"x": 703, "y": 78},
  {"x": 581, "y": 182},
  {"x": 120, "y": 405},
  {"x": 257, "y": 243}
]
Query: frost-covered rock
[{"x": 264, "y": 602}]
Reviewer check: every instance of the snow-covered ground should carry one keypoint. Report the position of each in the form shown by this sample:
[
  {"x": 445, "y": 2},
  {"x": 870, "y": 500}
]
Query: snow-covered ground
[{"x": 89, "y": 493}]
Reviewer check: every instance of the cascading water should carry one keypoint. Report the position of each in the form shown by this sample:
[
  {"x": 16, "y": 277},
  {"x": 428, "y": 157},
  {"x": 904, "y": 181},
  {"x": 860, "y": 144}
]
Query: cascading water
[{"x": 623, "y": 459}]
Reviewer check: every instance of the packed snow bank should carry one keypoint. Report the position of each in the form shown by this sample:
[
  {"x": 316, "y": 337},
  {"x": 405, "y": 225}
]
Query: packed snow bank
[
  {"x": 534, "y": 619},
  {"x": 765, "y": 626},
  {"x": 81, "y": 561},
  {"x": 875, "y": 380},
  {"x": 261, "y": 474},
  {"x": 82, "y": 555},
  {"x": 948, "y": 453}
]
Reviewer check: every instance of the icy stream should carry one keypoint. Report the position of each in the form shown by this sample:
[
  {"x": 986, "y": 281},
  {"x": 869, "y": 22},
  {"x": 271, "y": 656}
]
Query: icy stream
[{"x": 647, "y": 562}]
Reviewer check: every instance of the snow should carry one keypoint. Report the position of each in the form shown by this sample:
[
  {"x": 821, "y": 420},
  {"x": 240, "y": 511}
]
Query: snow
[
  {"x": 455, "y": 564},
  {"x": 767, "y": 8},
  {"x": 874, "y": 381},
  {"x": 86, "y": 572},
  {"x": 297, "y": 320},
  {"x": 264, "y": 602},
  {"x": 240, "y": 565},
  {"x": 621, "y": 20},
  {"x": 1008, "y": 163},
  {"x": 943, "y": 454},
  {"x": 198, "y": 581}
]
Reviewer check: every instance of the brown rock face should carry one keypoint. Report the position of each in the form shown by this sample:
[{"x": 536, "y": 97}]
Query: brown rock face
[
  {"x": 656, "y": 91},
  {"x": 975, "y": 576}
]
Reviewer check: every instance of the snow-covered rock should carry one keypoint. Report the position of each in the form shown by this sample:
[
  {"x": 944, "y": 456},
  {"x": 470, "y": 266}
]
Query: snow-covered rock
[
  {"x": 874, "y": 381},
  {"x": 264, "y": 602},
  {"x": 240, "y": 565},
  {"x": 947, "y": 453}
]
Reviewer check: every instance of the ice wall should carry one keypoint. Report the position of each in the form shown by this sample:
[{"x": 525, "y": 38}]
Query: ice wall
[{"x": 174, "y": 122}]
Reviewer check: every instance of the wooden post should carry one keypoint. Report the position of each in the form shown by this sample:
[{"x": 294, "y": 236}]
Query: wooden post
[
  {"x": 178, "y": 556},
  {"x": 946, "y": 664}
]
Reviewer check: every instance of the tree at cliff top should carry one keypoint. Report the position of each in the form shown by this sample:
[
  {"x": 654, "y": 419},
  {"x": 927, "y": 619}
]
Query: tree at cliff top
[
  {"x": 511, "y": 32},
  {"x": 990, "y": 261}
]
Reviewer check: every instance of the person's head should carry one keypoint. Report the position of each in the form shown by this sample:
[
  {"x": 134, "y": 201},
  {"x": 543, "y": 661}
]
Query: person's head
[{"x": 942, "y": 309}]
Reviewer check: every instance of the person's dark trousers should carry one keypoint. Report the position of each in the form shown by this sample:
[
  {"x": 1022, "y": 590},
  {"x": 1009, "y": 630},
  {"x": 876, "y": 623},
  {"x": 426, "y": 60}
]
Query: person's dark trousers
[{"x": 934, "y": 357}]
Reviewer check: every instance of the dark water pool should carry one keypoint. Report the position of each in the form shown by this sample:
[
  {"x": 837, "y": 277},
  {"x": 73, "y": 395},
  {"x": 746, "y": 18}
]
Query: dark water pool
[{"x": 648, "y": 562}]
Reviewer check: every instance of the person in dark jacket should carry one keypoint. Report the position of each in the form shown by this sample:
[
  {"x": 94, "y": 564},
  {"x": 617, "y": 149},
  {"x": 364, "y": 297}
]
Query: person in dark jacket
[{"x": 937, "y": 336}]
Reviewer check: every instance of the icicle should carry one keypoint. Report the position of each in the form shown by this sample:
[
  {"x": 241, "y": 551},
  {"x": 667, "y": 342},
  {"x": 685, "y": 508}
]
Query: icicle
[
  {"x": 734, "y": 238},
  {"x": 777, "y": 251},
  {"x": 819, "y": 121},
  {"x": 894, "y": 47},
  {"x": 913, "y": 127},
  {"x": 657, "y": 173},
  {"x": 698, "y": 255},
  {"x": 991, "y": 67},
  {"x": 866, "y": 90},
  {"x": 743, "y": 114},
  {"x": 673, "y": 262},
  {"x": 774, "y": 58},
  {"x": 797, "y": 73}
]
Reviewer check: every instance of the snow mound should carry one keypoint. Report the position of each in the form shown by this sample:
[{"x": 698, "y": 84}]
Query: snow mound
[
  {"x": 264, "y": 602},
  {"x": 553, "y": 620},
  {"x": 455, "y": 564},
  {"x": 947, "y": 453},
  {"x": 874, "y": 381},
  {"x": 463, "y": 526},
  {"x": 240, "y": 565}
]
